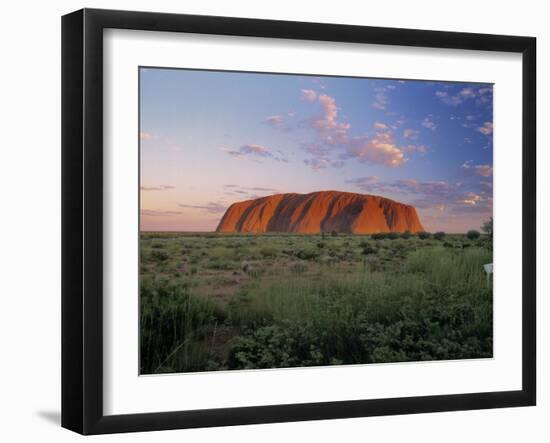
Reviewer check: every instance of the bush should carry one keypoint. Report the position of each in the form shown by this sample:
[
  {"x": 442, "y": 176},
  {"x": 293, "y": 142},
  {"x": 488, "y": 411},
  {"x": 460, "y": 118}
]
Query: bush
[
  {"x": 379, "y": 236},
  {"x": 298, "y": 267},
  {"x": 439, "y": 235},
  {"x": 268, "y": 251},
  {"x": 406, "y": 235},
  {"x": 472, "y": 234},
  {"x": 368, "y": 250},
  {"x": 424, "y": 235},
  {"x": 307, "y": 254},
  {"x": 169, "y": 317},
  {"x": 159, "y": 255},
  {"x": 392, "y": 235}
]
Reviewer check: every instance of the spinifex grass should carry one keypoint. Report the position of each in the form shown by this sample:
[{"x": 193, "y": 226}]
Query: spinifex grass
[{"x": 230, "y": 302}]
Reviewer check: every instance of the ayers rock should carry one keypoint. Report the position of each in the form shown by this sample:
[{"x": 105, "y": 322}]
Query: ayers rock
[{"x": 323, "y": 211}]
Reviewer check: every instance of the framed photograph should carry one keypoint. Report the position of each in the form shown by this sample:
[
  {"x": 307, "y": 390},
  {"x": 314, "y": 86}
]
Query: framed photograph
[{"x": 268, "y": 221}]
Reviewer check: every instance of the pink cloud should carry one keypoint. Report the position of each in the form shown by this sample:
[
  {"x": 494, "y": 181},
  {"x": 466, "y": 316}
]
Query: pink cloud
[
  {"x": 156, "y": 188},
  {"x": 147, "y": 136},
  {"x": 482, "y": 95},
  {"x": 481, "y": 170},
  {"x": 411, "y": 134},
  {"x": 309, "y": 95},
  {"x": 379, "y": 149},
  {"x": 255, "y": 150},
  {"x": 158, "y": 213},
  {"x": 428, "y": 123},
  {"x": 471, "y": 199},
  {"x": 211, "y": 207},
  {"x": 486, "y": 129},
  {"x": 274, "y": 120}
]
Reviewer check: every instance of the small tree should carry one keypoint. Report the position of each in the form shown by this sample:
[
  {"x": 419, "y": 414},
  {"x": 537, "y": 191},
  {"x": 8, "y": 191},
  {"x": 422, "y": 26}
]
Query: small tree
[
  {"x": 439, "y": 235},
  {"x": 407, "y": 234},
  {"x": 392, "y": 235},
  {"x": 334, "y": 233},
  {"x": 367, "y": 250},
  {"x": 487, "y": 227},
  {"x": 473, "y": 234},
  {"x": 423, "y": 235}
]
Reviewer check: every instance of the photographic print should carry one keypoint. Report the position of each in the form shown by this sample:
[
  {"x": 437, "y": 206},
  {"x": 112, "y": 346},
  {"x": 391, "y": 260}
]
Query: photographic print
[{"x": 291, "y": 220}]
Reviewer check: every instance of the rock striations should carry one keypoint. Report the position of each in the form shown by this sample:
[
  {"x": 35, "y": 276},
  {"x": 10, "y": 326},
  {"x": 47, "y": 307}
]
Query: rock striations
[{"x": 323, "y": 211}]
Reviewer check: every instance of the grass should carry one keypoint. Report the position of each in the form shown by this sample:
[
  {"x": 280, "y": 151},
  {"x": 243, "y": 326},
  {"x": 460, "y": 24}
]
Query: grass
[{"x": 217, "y": 302}]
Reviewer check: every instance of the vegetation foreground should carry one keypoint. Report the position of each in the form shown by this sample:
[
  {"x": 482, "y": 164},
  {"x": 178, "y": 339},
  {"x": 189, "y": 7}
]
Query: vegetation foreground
[{"x": 235, "y": 301}]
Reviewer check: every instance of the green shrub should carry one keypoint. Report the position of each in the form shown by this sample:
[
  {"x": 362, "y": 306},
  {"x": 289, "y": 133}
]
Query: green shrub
[
  {"x": 159, "y": 255},
  {"x": 424, "y": 235},
  {"x": 298, "y": 267},
  {"x": 268, "y": 251},
  {"x": 368, "y": 250},
  {"x": 169, "y": 319},
  {"x": 439, "y": 235},
  {"x": 307, "y": 254},
  {"x": 406, "y": 235},
  {"x": 392, "y": 235},
  {"x": 473, "y": 234}
]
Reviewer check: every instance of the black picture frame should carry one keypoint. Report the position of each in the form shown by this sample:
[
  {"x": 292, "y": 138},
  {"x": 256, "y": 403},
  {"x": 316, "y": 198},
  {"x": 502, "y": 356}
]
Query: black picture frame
[{"x": 82, "y": 218}]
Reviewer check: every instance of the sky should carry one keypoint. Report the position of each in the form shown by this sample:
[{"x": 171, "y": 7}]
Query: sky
[{"x": 212, "y": 138}]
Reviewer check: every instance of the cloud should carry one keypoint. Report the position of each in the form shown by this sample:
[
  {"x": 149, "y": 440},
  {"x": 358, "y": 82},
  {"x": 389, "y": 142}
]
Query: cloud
[
  {"x": 254, "y": 150},
  {"x": 158, "y": 213},
  {"x": 483, "y": 170},
  {"x": 415, "y": 148},
  {"x": 329, "y": 120},
  {"x": 440, "y": 196},
  {"x": 486, "y": 129},
  {"x": 309, "y": 95},
  {"x": 161, "y": 141},
  {"x": 411, "y": 134},
  {"x": 233, "y": 153},
  {"x": 333, "y": 142},
  {"x": 250, "y": 191},
  {"x": 380, "y": 149},
  {"x": 471, "y": 199},
  {"x": 147, "y": 136},
  {"x": 156, "y": 188},
  {"x": 211, "y": 207},
  {"x": 426, "y": 193},
  {"x": 318, "y": 81},
  {"x": 274, "y": 120},
  {"x": 428, "y": 123},
  {"x": 482, "y": 95},
  {"x": 451, "y": 100},
  {"x": 380, "y": 99},
  {"x": 261, "y": 189}
]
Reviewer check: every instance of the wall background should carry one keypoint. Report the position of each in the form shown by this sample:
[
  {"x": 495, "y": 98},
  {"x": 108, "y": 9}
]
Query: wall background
[{"x": 30, "y": 219}]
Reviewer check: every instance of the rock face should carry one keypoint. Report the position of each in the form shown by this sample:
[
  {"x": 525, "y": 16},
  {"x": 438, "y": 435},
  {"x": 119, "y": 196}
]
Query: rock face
[{"x": 323, "y": 211}]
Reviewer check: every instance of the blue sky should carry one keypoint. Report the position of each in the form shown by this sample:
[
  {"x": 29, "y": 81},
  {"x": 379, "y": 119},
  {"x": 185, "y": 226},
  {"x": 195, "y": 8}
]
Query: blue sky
[{"x": 210, "y": 138}]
